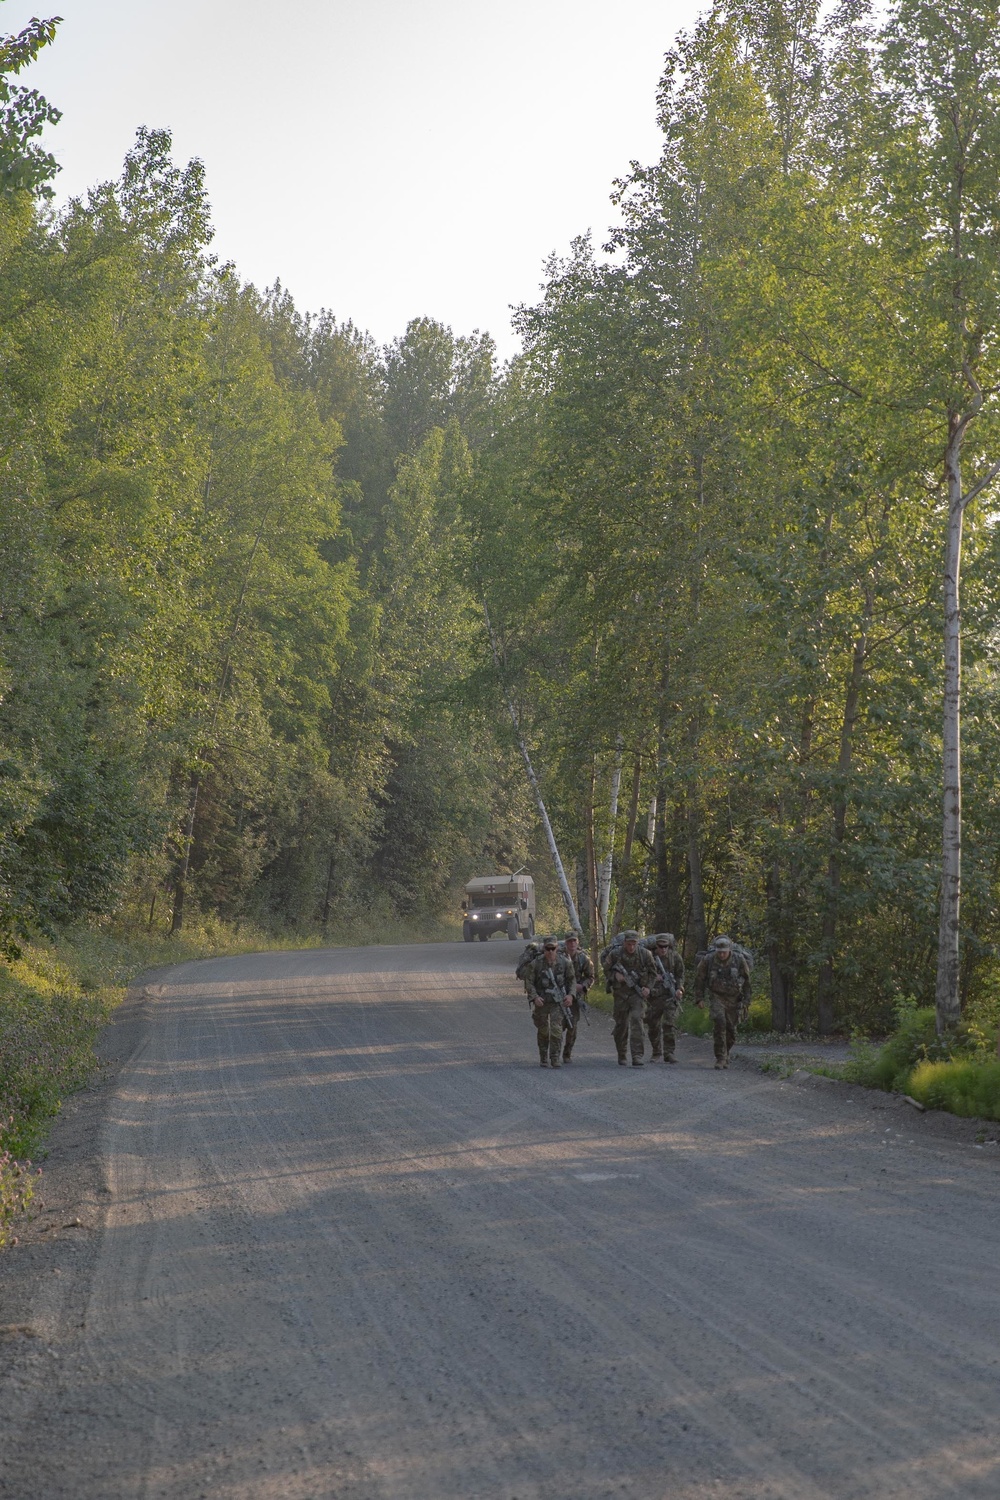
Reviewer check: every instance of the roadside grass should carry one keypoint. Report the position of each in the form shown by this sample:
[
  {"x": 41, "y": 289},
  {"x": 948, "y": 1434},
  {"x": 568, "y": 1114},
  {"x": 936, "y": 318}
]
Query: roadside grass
[
  {"x": 960, "y": 1073},
  {"x": 56, "y": 998},
  {"x": 49, "y": 1021},
  {"x": 961, "y": 1085}
]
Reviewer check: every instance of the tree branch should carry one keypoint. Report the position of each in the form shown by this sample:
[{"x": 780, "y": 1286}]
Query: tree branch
[{"x": 979, "y": 485}]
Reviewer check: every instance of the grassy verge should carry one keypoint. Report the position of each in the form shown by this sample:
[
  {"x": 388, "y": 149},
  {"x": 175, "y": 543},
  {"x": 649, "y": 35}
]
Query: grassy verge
[
  {"x": 960, "y": 1073},
  {"x": 55, "y": 999}
]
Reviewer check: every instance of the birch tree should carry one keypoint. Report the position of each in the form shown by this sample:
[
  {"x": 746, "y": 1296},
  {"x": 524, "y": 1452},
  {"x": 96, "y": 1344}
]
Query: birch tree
[{"x": 942, "y": 65}]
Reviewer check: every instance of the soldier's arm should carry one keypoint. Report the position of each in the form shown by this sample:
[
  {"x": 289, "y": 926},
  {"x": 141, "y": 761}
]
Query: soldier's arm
[
  {"x": 701, "y": 974},
  {"x": 678, "y": 970}
]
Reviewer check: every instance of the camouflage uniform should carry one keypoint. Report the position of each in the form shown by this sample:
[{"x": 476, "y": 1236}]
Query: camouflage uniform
[
  {"x": 527, "y": 962},
  {"x": 628, "y": 1001},
  {"x": 664, "y": 1004},
  {"x": 583, "y": 972},
  {"x": 548, "y": 1016},
  {"x": 728, "y": 985}
]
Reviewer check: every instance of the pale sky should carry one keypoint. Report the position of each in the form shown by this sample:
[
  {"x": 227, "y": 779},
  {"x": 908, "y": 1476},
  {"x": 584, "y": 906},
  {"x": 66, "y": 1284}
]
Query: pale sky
[{"x": 384, "y": 158}]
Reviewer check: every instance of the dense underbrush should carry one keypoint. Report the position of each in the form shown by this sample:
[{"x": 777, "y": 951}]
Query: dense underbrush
[{"x": 959, "y": 1073}]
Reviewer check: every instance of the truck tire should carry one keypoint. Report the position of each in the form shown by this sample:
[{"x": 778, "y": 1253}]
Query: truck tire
[
  {"x": 531, "y": 927},
  {"x": 467, "y": 931},
  {"x": 512, "y": 929}
]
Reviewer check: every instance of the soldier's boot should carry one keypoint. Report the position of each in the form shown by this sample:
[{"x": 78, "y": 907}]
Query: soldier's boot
[
  {"x": 637, "y": 1062},
  {"x": 719, "y": 1043},
  {"x": 543, "y": 1062},
  {"x": 622, "y": 1060},
  {"x": 668, "y": 1057}
]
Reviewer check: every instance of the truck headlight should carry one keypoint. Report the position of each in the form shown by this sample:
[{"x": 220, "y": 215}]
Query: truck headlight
[
  {"x": 474, "y": 917},
  {"x": 499, "y": 913}
]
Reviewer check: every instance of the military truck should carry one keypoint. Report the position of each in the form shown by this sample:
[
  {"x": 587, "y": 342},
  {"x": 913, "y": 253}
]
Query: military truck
[{"x": 499, "y": 903}]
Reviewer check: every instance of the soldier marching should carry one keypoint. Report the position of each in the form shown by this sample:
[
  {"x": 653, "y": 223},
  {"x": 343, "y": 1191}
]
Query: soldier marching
[{"x": 646, "y": 981}]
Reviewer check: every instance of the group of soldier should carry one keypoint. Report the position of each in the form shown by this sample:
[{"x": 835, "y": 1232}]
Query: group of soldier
[{"x": 646, "y": 981}]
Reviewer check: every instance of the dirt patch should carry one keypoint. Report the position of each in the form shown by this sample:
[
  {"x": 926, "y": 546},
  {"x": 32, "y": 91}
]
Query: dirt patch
[{"x": 929, "y": 1123}]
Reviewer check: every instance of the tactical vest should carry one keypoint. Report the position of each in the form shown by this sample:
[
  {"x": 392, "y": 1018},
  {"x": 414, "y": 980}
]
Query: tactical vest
[{"x": 725, "y": 978}]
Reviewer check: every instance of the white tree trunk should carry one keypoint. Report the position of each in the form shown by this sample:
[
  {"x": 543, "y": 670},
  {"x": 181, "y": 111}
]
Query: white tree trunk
[
  {"x": 604, "y": 884},
  {"x": 948, "y": 967},
  {"x": 550, "y": 837},
  {"x": 567, "y": 894}
]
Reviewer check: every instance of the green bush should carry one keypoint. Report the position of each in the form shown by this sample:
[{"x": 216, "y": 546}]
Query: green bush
[
  {"x": 961, "y": 1085},
  {"x": 694, "y": 1021},
  {"x": 758, "y": 1016},
  {"x": 888, "y": 1067}
]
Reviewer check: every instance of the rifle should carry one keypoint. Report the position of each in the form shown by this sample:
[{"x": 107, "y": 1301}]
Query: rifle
[
  {"x": 666, "y": 977},
  {"x": 558, "y": 994},
  {"x": 633, "y": 981}
]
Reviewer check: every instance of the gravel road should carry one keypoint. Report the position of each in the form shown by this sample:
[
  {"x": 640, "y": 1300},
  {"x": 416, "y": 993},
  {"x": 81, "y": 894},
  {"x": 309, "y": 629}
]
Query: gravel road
[{"x": 340, "y": 1236}]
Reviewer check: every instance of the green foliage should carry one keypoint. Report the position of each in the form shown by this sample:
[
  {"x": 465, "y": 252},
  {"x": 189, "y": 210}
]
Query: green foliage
[
  {"x": 695, "y": 1020},
  {"x": 960, "y": 1085},
  {"x": 914, "y": 1040},
  {"x": 245, "y": 553},
  {"x": 232, "y": 631},
  {"x": 24, "y": 167},
  {"x": 16, "y": 1193},
  {"x": 48, "y": 1023}
]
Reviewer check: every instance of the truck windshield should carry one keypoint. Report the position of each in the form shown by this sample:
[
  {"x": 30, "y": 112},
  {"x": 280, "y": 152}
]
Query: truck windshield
[{"x": 498, "y": 899}]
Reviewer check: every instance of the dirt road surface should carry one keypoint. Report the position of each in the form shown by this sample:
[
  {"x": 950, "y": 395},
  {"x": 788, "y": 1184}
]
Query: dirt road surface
[{"x": 340, "y": 1236}]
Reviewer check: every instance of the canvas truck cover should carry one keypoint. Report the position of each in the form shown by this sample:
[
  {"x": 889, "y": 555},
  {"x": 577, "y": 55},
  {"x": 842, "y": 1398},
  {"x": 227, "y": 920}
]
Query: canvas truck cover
[{"x": 500, "y": 886}]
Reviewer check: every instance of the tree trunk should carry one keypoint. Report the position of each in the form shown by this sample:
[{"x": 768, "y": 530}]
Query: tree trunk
[
  {"x": 633, "y": 814},
  {"x": 593, "y": 900},
  {"x": 661, "y": 861},
  {"x": 782, "y": 1000},
  {"x": 550, "y": 837},
  {"x": 826, "y": 973},
  {"x": 326, "y": 894},
  {"x": 608, "y": 861},
  {"x": 184, "y": 864},
  {"x": 948, "y": 965},
  {"x": 696, "y": 887}
]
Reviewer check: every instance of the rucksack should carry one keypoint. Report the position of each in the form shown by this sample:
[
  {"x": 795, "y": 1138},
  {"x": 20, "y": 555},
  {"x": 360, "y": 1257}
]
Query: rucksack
[
  {"x": 737, "y": 949},
  {"x": 524, "y": 963}
]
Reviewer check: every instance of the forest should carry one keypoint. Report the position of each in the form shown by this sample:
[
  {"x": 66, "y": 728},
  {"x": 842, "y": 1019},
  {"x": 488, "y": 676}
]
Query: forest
[{"x": 278, "y": 605}]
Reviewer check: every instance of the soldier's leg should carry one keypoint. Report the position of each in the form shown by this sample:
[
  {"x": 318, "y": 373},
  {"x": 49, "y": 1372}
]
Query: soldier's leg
[
  {"x": 555, "y": 1035},
  {"x": 718, "y": 1014},
  {"x": 669, "y": 1033},
  {"x": 635, "y": 1028},
  {"x": 732, "y": 1020},
  {"x": 620, "y": 1033},
  {"x": 654, "y": 1026},
  {"x": 542, "y": 1033},
  {"x": 570, "y": 1033}
]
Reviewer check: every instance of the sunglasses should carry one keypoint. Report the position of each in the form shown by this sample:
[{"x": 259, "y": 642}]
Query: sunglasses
[{"x": 550, "y": 948}]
